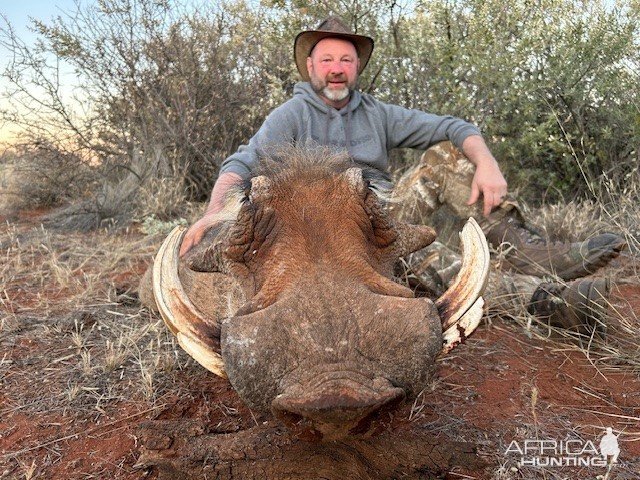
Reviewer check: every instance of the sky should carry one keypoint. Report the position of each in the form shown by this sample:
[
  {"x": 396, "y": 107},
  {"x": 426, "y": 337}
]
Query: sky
[{"x": 18, "y": 14}]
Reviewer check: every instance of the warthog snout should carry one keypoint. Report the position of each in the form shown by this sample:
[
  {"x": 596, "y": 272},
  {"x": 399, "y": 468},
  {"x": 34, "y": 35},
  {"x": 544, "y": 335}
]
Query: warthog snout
[{"x": 336, "y": 405}]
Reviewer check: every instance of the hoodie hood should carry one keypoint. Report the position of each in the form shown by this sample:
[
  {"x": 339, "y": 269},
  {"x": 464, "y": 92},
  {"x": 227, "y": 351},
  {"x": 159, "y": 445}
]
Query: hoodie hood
[{"x": 305, "y": 91}]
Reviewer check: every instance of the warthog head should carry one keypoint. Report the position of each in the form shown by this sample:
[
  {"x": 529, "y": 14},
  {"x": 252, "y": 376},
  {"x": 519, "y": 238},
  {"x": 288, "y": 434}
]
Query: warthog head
[{"x": 327, "y": 340}]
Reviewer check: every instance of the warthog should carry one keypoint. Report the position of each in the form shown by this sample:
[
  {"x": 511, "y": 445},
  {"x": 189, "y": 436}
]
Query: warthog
[{"x": 326, "y": 339}]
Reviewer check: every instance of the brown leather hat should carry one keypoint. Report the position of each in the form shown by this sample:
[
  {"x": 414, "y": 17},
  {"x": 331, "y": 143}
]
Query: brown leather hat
[{"x": 332, "y": 27}]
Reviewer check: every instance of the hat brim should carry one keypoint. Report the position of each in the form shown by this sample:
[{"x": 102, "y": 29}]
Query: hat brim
[{"x": 305, "y": 41}]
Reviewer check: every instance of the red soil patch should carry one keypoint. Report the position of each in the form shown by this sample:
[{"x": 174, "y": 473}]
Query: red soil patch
[
  {"x": 82, "y": 448},
  {"x": 484, "y": 395},
  {"x": 129, "y": 279},
  {"x": 628, "y": 297},
  {"x": 567, "y": 385},
  {"x": 27, "y": 217}
]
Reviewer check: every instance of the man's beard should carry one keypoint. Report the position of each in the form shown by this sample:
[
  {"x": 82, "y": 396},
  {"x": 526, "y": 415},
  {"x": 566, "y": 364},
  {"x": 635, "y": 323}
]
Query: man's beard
[{"x": 321, "y": 87}]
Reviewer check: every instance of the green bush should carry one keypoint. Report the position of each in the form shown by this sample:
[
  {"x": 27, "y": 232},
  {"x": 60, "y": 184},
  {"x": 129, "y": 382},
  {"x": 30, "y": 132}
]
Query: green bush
[{"x": 168, "y": 91}]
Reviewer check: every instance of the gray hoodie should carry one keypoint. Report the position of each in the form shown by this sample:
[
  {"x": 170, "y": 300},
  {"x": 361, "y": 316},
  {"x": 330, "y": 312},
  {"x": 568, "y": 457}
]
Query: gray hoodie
[{"x": 366, "y": 127}]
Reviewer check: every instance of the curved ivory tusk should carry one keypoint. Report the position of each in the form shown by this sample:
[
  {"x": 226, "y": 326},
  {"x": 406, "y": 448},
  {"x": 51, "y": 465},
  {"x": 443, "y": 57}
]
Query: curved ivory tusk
[
  {"x": 470, "y": 281},
  {"x": 197, "y": 335},
  {"x": 458, "y": 332}
]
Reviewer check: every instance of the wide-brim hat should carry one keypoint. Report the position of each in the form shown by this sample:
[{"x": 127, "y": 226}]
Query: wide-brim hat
[{"x": 332, "y": 27}]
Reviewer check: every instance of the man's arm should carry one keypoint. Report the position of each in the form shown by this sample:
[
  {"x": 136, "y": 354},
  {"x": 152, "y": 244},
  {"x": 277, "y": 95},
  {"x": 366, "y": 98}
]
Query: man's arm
[
  {"x": 209, "y": 219},
  {"x": 417, "y": 129},
  {"x": 488, "y": 179},
  {"x": 409, "y": 128},
  {"x": 278, "y": 128}
]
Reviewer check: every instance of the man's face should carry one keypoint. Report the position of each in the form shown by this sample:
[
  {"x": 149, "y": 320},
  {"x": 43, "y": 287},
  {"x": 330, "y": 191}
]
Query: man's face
[{"x": 333, "y": 69}]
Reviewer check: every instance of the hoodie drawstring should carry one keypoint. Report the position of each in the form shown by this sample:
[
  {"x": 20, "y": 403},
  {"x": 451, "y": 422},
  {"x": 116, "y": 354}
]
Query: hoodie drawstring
[
  {"x": 329, "y": 116},
  {"x": 347, "y": 131}
]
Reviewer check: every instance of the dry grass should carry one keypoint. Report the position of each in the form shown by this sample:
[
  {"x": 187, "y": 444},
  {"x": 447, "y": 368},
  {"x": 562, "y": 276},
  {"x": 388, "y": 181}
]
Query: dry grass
[
  {"x": 45, "y": 271},
  {"x": 616, "y": 208},
  {"x": 162, "y": 198},
  {"x": 569, "y": 221},
  {"x": 71, "y": 299},
  {"x": 41, "y": 176},
  {"x": 618, "y": 348},
  {"x": 91, "y": 195},
  {"x": 79, "y": 358}
]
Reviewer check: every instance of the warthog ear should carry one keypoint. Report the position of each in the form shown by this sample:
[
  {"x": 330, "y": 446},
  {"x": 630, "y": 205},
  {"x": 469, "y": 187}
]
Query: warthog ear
[
  {"x": 354, "y": 178},
  {"x": 412, "y": 238},
  {"x": 241, "y": 235},
  {"x": 254, "y": 221},
  {"x": 260, "y": 188}
]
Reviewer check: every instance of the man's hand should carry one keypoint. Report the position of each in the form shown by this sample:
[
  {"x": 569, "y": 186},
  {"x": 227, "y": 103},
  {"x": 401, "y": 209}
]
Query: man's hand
[
  {"x": 209, "y": 220},
  {"x": 489, "y": 182},
  {"x": 196, "y": 232},
  {"x": 488, "y": 179}
]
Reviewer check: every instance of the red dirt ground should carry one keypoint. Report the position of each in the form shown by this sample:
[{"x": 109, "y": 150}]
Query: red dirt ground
[
  {"x": 484, "y": 390},
  {"x": 498, "y": 387}
]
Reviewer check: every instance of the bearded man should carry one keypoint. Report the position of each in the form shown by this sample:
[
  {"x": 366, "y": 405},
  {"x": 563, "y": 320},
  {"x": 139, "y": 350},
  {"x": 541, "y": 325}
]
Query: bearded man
[{"x": 328, "y": 109}]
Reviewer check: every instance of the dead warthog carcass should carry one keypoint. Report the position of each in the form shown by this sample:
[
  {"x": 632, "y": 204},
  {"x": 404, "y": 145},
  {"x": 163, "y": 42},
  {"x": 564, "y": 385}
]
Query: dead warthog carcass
[{"x": 325, "y": 339}]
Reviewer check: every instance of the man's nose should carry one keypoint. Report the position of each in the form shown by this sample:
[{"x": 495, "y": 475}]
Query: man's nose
[{"x": 336, "y": 67}]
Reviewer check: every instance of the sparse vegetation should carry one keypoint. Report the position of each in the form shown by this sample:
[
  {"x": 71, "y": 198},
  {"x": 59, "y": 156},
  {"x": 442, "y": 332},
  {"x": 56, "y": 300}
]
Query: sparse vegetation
[
  {"x": 70, "y": 298},
  {"x": 166, "y": 91}
]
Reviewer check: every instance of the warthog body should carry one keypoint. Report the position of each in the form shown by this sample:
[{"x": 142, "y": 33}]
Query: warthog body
[{"x": 326, "y": 339}]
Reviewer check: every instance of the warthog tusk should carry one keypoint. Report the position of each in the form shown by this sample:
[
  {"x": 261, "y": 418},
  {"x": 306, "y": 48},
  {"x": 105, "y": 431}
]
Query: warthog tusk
[
  {"x": 197, "y": 335},
  {"x": 460, "y": 307},
  {"x": 458, "y": 332}
]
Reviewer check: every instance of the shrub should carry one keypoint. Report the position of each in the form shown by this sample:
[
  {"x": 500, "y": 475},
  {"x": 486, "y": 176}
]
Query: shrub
[{"x": 43, "y": 176}]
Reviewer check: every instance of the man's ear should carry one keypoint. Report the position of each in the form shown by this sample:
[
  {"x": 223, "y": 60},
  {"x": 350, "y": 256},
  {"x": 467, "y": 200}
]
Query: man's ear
[{"x": 309, "y": 64}]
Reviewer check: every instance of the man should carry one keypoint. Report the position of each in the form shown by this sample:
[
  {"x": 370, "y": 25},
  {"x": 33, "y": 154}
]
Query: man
[{"x": 327, "y": 109}]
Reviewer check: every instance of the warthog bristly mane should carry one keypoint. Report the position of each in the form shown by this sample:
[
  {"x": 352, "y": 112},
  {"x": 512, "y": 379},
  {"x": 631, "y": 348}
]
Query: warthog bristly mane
[{"x": 285, "y": 164}]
